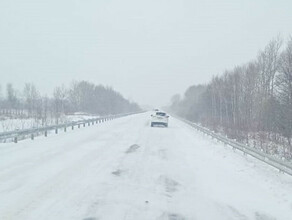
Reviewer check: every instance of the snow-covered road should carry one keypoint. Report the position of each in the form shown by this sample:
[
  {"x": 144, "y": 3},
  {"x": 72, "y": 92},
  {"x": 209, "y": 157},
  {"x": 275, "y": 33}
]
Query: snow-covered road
[{"x": 124, "y": 169}]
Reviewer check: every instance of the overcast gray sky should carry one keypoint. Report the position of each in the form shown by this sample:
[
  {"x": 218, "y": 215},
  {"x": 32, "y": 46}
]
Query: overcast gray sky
[{"x": 148, "y": 50}]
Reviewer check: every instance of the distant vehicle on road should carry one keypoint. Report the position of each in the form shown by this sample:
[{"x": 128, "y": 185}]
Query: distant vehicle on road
[{"x": 159, "y": 118}]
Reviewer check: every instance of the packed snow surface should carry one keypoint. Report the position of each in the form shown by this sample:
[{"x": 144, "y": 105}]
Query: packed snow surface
[{"x": 124, "y": 169}]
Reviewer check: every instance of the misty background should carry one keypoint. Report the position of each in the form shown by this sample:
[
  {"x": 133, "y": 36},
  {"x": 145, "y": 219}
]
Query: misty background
[{"x": 147, "y": 50}]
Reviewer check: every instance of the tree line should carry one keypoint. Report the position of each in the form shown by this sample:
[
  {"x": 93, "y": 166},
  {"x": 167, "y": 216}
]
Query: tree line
[
  {"x": 251, "y": 103},
  {"x": 80, "y": 96}
]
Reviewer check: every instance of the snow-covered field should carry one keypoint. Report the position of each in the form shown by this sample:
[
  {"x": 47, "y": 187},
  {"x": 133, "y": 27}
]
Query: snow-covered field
[
  {"x": 124, "y": 169},
  {"x": 11, "y": 124}
]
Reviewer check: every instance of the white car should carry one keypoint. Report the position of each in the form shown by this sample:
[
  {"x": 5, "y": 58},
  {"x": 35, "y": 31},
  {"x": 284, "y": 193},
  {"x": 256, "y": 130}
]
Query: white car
[{"x": 159, "y": 118}]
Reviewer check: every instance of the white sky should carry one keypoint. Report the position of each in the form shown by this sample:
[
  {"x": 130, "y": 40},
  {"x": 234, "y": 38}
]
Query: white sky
[{"x": 147, "y": 50}]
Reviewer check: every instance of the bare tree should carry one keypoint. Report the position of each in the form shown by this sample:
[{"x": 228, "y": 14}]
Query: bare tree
[
  {"x": 59, "y": 100},
  {"x": 12, "y": 99},
  {"x": 31, "y": 96},
  {"x": 284, "y": 84}
]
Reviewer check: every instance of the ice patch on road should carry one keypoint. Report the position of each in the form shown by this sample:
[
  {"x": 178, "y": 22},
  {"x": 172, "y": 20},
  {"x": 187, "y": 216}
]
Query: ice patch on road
[
  {"x": 169, "y": 184},
  {"x": 162, "y": 154},
  {"x": 171, "y": 216},
  {"x": 236, "y": 213},
  {"x": 118, "y": 172},
  {"x": 260, "y": 216},
  {"x": 132, "y": 148}
]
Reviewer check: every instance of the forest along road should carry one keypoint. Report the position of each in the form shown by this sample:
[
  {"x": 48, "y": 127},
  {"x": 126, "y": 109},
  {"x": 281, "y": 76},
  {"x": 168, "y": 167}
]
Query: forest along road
[{"x": 124, "y": 169}]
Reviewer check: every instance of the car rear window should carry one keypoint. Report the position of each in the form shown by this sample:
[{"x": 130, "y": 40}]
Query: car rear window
[{"x": 160, "y": 113}]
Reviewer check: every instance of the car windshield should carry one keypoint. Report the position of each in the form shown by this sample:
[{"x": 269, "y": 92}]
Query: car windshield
[
  {"x": 145, "y": 110},
  {"x": 160, "y": 113}
]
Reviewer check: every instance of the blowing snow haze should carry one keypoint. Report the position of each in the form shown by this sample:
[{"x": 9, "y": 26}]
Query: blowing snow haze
[
  {"x": 76, "y": 79},
  {"x": 147, "y": 50}
]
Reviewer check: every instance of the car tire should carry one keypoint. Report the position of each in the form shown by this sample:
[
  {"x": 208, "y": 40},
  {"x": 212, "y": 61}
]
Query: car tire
[{"x": 152, "y": 124}]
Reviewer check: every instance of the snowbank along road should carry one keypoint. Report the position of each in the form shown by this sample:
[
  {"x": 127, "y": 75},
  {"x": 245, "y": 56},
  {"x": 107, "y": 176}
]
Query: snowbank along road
[{"x": 124, "y": 169}]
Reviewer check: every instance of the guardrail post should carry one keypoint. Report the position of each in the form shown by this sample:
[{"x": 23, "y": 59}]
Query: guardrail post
[
  {"x": 32, "y": 136},
  {"x": 46, "y": 133},
  {"x": 65, "y": 129},
  {"x": 78, "y": 125},
  {"x": 83, "y": 124},
  {"x": 88, "y": 123},
  {"x": 92, "y": 122},
  {"x": 56, "y": 130},
  {"x": 72, "y": 127},
  {"x": 15, "y": 139}
]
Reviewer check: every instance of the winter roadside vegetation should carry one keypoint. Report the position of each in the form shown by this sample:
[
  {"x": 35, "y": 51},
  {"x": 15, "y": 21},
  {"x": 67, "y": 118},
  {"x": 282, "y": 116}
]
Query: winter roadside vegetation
[
  {"x": 251, "y": 103},
  {"x": 81, "y": 100}
]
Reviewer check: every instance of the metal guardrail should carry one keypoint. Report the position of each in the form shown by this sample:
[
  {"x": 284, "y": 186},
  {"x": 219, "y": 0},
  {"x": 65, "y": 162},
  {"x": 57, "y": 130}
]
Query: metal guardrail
[
  {"x": 15, "y": 136},
  {"x": 281, "y": 165}
]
